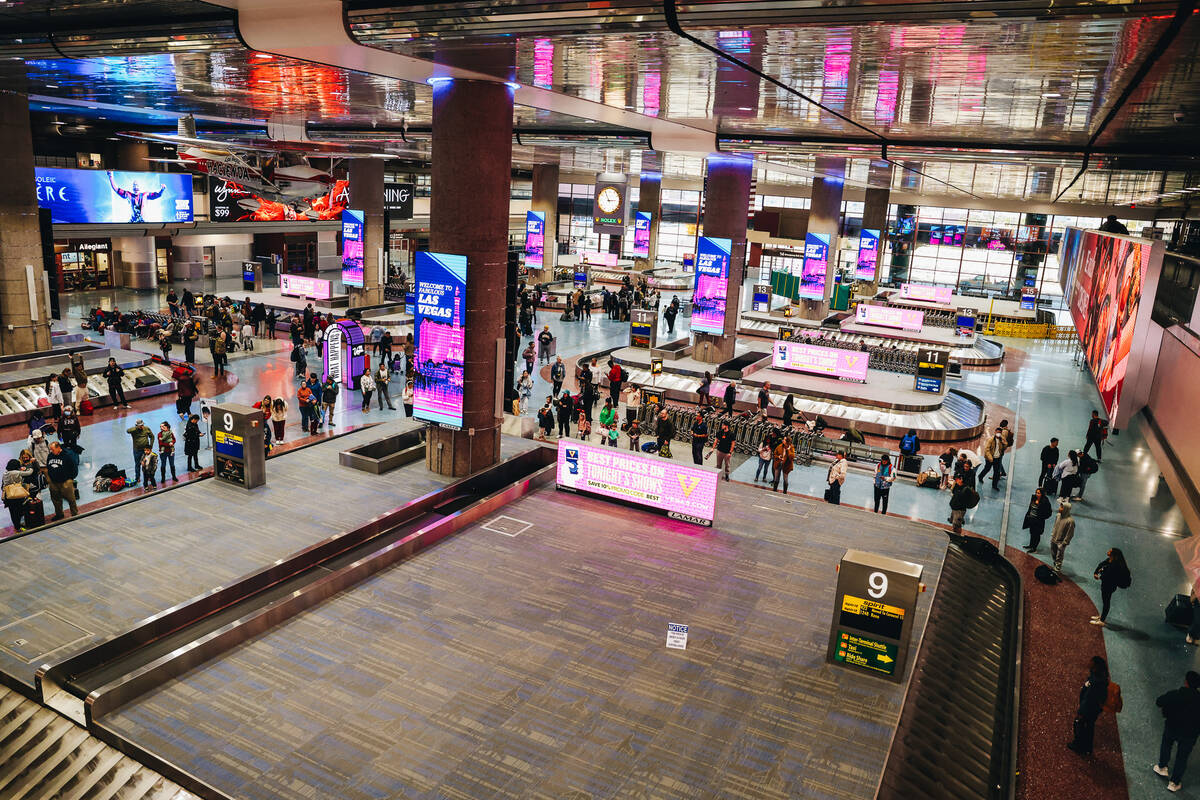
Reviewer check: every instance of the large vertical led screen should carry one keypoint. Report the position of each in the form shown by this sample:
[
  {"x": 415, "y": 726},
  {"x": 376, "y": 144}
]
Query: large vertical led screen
[
  {"x": 1108, "y": 273},
  {"x": 441, "y": 289},
  {"x": 535, "y": 239},
  {"x": 712, "y": 284},
  {"x": 641, "y": 233},
  {"x": 99, "y": 196},
  {"x": 816, "y": 261},
  {"x": 868, "y": 255},
  {"x": 353, "y": 232}
]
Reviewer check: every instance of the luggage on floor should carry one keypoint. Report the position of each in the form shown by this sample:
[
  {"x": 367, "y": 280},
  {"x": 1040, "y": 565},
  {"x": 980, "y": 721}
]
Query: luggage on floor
[
  {"x": 109, "y": 471},
  {"x": 1179, "y": 611},
  {"x": 35, "y": 512},
  {"x": 1046, "y": 575},
  {"x": 1050, "y": 487},
  {"x": 930, "y": 479},
  {"x": 143, "y": 381},
  {"x": 910, "y": 463},
  {"x": 86, "y": 408},
  {"x": 650, "y": 447}
]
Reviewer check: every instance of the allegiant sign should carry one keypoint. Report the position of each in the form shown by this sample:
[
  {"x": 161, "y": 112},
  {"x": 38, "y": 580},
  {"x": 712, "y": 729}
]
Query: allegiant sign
[
  {"x": 681, "y": 491},
  {"x": 830, "y": 361}
]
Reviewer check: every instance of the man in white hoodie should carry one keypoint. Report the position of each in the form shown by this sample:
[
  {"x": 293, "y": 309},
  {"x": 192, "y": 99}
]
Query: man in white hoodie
[{"x": 1063, "y": 533}]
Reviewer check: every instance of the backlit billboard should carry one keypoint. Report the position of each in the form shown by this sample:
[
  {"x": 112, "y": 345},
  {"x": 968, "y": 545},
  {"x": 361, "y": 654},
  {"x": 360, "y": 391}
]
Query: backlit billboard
[
  {"x": 868, "y": 255},
  {"x": 832, "y": 362},
  {"x": 679, "y": 490},
  {"x": 816, "y": 262},
  {"x": 641, "y": 234},
  {"x": 114, "y": 196},
  {"x": 535, "y": 239},
  {"x": 354, "y": 230},
  {"x": 925, "y": 293},
  {"x": 890, "y": 317},
  {"x": 712, "y": 284},
  {"x": 440, "y": 334},
  {"x": 304, "y": 286}
]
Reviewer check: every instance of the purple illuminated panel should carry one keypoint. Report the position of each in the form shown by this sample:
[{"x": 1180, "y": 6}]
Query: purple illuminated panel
[
  {"x": 441, "y": 289},
  {"x": 353, "y": 233},
  {"x": 344, "y": 353},
  {"x": 890, "y": 317},
  {"x": 535, "y": 239},
  {"x": 543, "y": 63},
  {"x": 868, "y": 255},
  {"x": 712, "y": 284},
  {"x": 943, "y": 295},
  {"x": 814, "y": 359},
  {"x": 599, "y": 259},
  {"x": 681, "y": 491},
  {"x": 816, "y": 262},
  {"x": 301, "y": 286},
  {"x": 641, "y": 234}
]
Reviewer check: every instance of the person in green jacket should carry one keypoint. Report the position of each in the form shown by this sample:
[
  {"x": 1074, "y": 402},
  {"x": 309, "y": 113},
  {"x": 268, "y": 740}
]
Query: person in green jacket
[
  {"x": 608, "y": 423},
  {"x": 142, "y": 438}
]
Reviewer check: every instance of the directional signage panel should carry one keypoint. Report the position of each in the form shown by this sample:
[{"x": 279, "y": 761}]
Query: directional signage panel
[{"x": 874, "y": 604}]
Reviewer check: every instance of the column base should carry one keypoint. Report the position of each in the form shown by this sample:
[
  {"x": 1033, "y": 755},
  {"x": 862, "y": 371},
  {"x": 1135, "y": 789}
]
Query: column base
[
  {"x": 365, "y": 297},
  {"x": 810, "y": 309},
  {"x": 458, "y": 453},
  {"x": 713, "y": 349}
]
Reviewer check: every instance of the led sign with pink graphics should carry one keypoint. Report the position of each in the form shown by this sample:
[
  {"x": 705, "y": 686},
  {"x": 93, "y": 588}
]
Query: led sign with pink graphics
[
  {"x": 681, "y": 491},
  {"x": 831, "y": 361},
  {"x": 301, "y": 286},
  {"x": 927, "y": 294},
  {"x": 890, "y": 317}
]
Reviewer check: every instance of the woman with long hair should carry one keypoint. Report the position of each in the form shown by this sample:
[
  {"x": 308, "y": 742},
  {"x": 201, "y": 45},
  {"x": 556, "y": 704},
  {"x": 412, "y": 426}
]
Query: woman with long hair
[
  {"x": 1113, "y": 574},
  {"x": 1092, "y": 697}
]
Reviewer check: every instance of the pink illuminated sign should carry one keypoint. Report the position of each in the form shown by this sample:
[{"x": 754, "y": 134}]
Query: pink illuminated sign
[
  {"x": 928, "y": 294},
  {"x": 301, "y": 286},
  {"x": 599, "y": 259},
  {"x": 830, "y": 361},
  {"x": 681, "y": 491},
  {"x": 890, "y": 317}
]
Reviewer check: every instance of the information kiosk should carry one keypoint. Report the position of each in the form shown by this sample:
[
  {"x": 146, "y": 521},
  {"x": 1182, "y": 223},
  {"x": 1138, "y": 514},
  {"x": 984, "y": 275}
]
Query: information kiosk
[
  {"x": 239, "y": 455},
  {"x": 873, "y": 614},
  {"x": 345, "y": 353},
  {"x": 643, "y": 328},
  {"x": 251, "y": 276}
]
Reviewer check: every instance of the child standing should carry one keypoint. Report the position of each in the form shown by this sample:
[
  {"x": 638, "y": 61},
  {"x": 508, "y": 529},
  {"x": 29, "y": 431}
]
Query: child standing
[{"x": 149, "y": 467}]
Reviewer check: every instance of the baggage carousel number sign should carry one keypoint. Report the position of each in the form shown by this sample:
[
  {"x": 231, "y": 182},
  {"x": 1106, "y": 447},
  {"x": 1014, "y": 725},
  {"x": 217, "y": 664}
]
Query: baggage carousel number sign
[{"x": 874, "y": 604}]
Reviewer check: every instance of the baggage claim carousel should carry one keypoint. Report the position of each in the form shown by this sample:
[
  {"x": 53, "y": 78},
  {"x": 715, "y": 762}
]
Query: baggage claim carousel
[{"x": 337, "y": 633}]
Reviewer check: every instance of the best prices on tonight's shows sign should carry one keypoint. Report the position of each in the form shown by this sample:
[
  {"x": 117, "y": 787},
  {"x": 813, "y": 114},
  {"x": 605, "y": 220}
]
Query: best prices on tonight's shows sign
[
  {"x": 831, "y": 361},
  {"x": 681, "y": 491}
]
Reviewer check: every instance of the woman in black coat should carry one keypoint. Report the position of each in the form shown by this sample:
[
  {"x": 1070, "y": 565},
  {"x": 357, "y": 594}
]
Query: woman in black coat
[
  {"x": 1035, "y": 518},
  {"x": 1113, "y": 574},
  {"x": 1092, "y": 697}
]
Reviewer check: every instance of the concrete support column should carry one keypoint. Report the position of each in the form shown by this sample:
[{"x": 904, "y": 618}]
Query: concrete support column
[
  {"x": 136, "y": 262},
  {"x": 545, "y": 199},
  {"x": 825, "y": 216},
  {"x": 726, "y": 206},
  {"x": 472, "y": 171},
  {"x": 650, "y": 201},
  {"x": 366, "y": 195},
  {"x": 875, "y": 213},
  {"x": 22, "y": 297},
  {"x": 133, "y": 156}
]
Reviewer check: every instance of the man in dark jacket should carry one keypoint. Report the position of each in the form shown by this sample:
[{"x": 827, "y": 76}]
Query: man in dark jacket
[
  {"x": 1050, "y": 459},
  {"x": 1181, "y": 707},
  {"x": 664, "y": 431},
  {"x": 61, "y": 469},
  {"x": 564, "y": 409},
  {"x": 730, "y": 397},
  {"x": 962, "y": 497},
  {"x": 558, "y": 374},
  {"x": 1097, "y": 429}
]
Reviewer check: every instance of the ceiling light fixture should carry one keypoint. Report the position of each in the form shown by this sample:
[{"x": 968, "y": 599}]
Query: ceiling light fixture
[
  {"x": 1049, "y": 95},
  {"x": 48, "y": 85},
  {"x": 263, "y": 55}
]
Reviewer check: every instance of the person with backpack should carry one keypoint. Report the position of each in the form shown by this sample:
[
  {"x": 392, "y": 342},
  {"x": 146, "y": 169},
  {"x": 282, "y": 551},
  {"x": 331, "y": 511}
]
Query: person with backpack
[
  {"x": 1049, "y": 460},
  {"x": 1062, "y": 533},
  {"x": 783, "y": 458},
  {"x": 191, "y": 443},
  {"x": 1097, "y": 432},
  {"x": 616, "y": 375},
  {"x": 910, "y": 446},
  {"x": 992, "y": 452},
  {"x": 834, "y": 478},
  {"x": 670, "y": 313},
  {"x": 1088, "y": 467},
  {"x": 885, "y": 476},
  {"x": 218, "y": 346},
  {"x": 299, "y": 360},
  {"x": 1181, "y": 727},
  {"x": 558, "y": 374},
  {"x": 1035, "y": 518},
  {"x": 962, "y": 498},
  {"x": 185, "y": 391},
  {"x": 69, "y": 430},
  {"x": 61, "y": 468},
  {"x": 1113, "y": 574},
  {"x": 1093, "y": 696}
]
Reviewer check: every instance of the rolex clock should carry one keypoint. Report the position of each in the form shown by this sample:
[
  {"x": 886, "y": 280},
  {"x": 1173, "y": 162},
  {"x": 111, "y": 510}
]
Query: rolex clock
[
  {"x": 612, "y": 191},
  {"x": 609, "y": 200}
]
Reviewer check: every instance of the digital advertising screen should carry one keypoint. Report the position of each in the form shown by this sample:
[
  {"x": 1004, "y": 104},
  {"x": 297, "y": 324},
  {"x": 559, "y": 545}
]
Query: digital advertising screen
[
  {"x": 712, "y": 284},
  {"x": 909, "y": 319},
  {"x": 114, "y": 196},
  {"x": 535, "y": 239},
  {"x": 641, "y": 233},
  {"x": 868, "y": 255},
  {"x": 925, "y": 293},
  {"x": 439, "y": 328},
  {"x": 354, "y": 229},
  {"x": 1108, "y": 273},
  {"x": 303, "y": 286},
  {"x": 681, "y": 491},
  {"x": 232, "y": 202},
  {"x": 398, "y": 200},
  {"x": 931, "y": 370},
  {"x": 832, "y": 362},
  {"x": 816, "y": 261},
  {"x": 761, "y": 300},
  {"x": 599, "y": 259}
]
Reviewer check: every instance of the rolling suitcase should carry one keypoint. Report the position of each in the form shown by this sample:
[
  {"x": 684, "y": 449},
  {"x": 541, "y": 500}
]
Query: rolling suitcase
[
  {"x": 35, "y": 512},
  {"x": 1179, "y": 611}
]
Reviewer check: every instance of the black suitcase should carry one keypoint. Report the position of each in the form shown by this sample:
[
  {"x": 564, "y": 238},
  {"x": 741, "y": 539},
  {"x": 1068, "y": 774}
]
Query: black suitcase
[
  {"x": 142, "y": 381},
  {"x": 35, "y": 512},
  {"x": 1179, "y": 611},
  {"x": 1046, "y": 575},
  {"x": 1049, "y": 487}
]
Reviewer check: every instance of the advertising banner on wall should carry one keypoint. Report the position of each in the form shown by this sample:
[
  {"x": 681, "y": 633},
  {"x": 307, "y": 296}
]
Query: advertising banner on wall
[
  {"x": 865, "y": 268},
  {"x": 712, "y": 284},
  {"x": 832, "y": 362},
  {"x": 535, "y": 239},
  {"x": 303, "y": 286},
  {"x": 681, "y": 491},
  {"x": 890, "y": 317},
  {"x": 232, "y": 202},
  {"x": 1109, "y": 274},
  {"x": 816, "y": 261},
  {"x": 440, "y": 334},
  {"x": 925, "y": 293},
  {"x": 641, "y": 234},
  {"x": 398, "y": 200},
  {"x": 354, "y": 229},
  {"x": 98, "y": 196}
]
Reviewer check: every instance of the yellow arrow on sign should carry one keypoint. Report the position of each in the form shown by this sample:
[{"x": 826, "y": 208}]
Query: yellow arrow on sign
[{"x": 884, "y": 659}]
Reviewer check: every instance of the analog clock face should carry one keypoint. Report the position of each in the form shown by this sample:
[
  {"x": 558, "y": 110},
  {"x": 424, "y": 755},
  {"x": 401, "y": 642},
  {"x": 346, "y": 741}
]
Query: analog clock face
[{"x": 609, "y": 200}]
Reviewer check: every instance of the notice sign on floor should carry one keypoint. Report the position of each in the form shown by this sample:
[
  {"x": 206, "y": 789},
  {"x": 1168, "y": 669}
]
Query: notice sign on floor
[{"x": 677, "y": 636}]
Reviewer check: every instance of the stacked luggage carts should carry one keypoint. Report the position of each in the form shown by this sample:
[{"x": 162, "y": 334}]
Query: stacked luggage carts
[
  {"x": 748, "y": 429},
  {"x": 898, "y": 356}
]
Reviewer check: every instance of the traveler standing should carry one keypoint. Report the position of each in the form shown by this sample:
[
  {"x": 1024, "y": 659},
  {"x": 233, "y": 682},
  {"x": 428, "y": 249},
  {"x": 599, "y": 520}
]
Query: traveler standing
[
  {"x": 991, "y": 456},
  {"x": 166, "y": 451},
  {"x": 1062, "y": 533},
  {"x": 704, "y": 389},
  {"x": 54, "y": 395},
  {"x": 564, "y": 408},
  {"x": 699, "y": 432},
  {"x": 1097, "y": 432},
  {"x": 1092, "y": 697},
  {"x": 367, "y": 384},
  {"x": 783, "y": 458},
  {"x": 279, "y": 418},
  {"x": 789, "y": 411},
  {"x": 766, "y": 448},
  {"x": 406, "y": 398},
  {"x": 185, "y": 390},
  {"x": 730, "y": 397},
  {"x": 835, "y": 478},
  {"x": 528, "y": 355},
  {"x": 191, "y": 443},
  {"x": 141, "y": 437},
  {"x": 307, "y": 405},
  {"x": 724, "y": 447},
  {"x": 1067, "y": 475},
  {"x": 558, "y": 374},
  {"x": 670, "y": 313},
  {"x": 1049, "y": 459},
  {"x": 962, "y": 497},
  {"x": 383, "y": 377},
  {"x": 524, "y": 391},
  {"x": 764, "y": 400},
  {"x": 61, "y": 469},
  {"x": 299, "y": 360},
  {"x": 1035, "y": 518},
  {"x": 149, "y": 464},
  {"x": 616, "y": 374},
  {"x": 69, "y": 430},
  {"x": 545, "y": 339},
  {"x": 634, "y": 431},
  {"x": 1113, "y": 574},
  {"x": 1088, "y": 467},
  {"x": 218, "y": 345},
  {"x": 885, "y": 476},
  {"x": 1181, "y": 727},
  {"x": 191, "y": 332},
  {"x": 16, "y": 497},
  {"x": 608, "y": 424},
  {"x": 664, "y": 432},
  {"x": 329, "y": 396}
]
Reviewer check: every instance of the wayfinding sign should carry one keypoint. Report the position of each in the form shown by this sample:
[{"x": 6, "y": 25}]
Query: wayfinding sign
[
  {"x": 873, "y": 614},
  {"x": 239, "y": 453}
]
